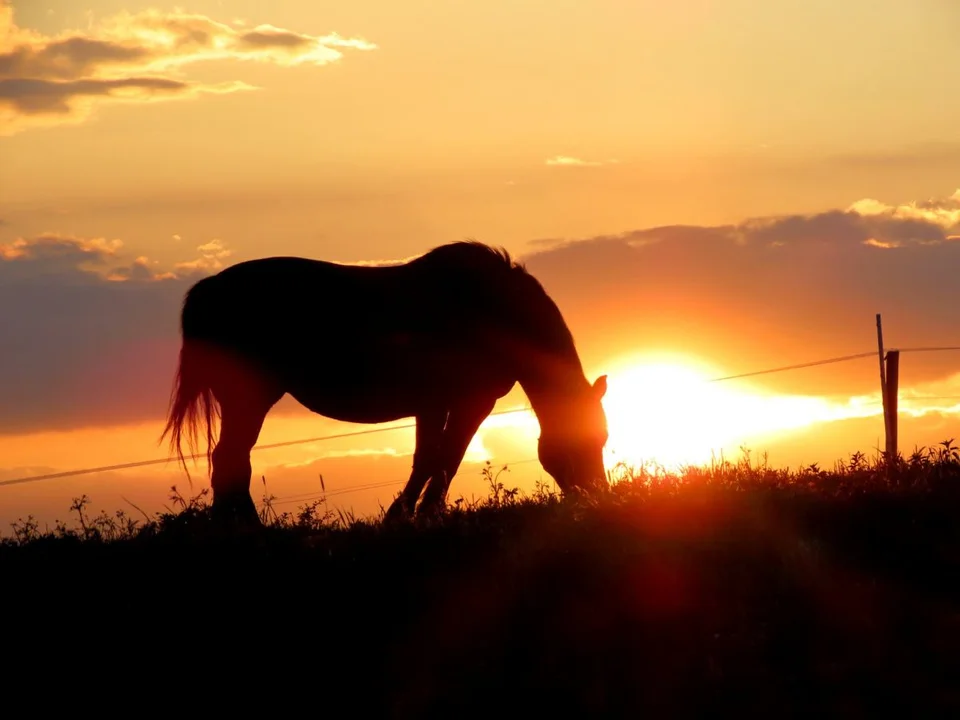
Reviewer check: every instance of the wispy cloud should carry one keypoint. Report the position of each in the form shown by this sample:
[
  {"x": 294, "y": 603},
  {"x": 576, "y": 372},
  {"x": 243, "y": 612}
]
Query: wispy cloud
[
  {"x": 943, "y": 212},
  {"x": 211, "y": 257},
  {"x": 382, "y": 263},
  {"x": 567, "y": 161},
  {"x": 885, "y": 244},
  {"x": 52, "y": 80}
]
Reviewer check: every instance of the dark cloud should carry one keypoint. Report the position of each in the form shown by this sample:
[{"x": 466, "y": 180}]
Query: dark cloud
[
  {"x": 53, "y": 253},
  {"x": 68, "y": 59},
  {"x": 770, "y": 291},
  {"x": 275, "y": 39},
  {"x": 29, "y": 96},
  {"x": 89, "y": 337},
  {"x": 52, "y": 80}
]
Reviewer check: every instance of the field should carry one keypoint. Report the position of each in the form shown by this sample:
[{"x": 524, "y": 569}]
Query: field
[{"x": 730, "y": 588}]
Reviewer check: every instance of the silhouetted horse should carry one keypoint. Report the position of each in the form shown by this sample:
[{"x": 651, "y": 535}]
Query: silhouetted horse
[{"x": 439, "y": 338}]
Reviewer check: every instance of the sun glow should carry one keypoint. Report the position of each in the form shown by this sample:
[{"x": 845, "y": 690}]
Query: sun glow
[{"x": 664, "y": 410}]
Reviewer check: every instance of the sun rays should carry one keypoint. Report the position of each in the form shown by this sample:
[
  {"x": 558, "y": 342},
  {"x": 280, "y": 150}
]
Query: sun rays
[{"x": 664, "y": 409}]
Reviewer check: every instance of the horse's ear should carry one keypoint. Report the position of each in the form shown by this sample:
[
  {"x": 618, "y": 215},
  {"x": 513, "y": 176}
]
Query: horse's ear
[{"x": 600, "y": 386}]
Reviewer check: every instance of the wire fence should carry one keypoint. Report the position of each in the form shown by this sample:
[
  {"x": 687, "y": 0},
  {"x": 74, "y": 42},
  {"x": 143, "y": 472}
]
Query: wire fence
[
  {"x": 411, "y": 425},
  {"x": 324, "y": 494}
]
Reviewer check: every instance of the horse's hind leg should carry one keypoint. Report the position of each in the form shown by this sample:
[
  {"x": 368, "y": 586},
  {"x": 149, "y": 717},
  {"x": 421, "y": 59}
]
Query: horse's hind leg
[
  {"x": 244, "y": 403},
  {"x": 461, "y": 427},
  {"x": 429, "y": 429}
]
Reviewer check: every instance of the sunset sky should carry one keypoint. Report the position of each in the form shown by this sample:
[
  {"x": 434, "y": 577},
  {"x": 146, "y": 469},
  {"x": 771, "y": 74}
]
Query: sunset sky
[{"x": 705, "y": 188}]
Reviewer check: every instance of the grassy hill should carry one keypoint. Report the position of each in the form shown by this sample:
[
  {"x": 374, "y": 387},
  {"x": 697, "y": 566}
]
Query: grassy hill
[{"x": 734, "y": 587}]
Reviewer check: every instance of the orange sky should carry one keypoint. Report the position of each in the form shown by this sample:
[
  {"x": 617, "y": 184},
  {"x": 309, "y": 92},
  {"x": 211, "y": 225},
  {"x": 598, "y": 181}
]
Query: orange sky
[{"x": 705, "y": 189}]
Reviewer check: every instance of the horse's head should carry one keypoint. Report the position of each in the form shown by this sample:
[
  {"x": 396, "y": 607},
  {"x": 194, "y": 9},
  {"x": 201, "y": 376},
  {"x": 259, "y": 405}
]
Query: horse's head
[{"x": 571, "y": 443}]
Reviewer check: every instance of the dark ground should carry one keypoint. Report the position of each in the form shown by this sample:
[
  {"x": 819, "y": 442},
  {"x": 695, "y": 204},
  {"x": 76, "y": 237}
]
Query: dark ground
[{"x": 706, "y": 601}]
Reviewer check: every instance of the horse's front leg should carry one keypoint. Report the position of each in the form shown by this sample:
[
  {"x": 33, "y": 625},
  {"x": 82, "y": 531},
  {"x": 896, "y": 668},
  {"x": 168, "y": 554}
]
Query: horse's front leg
[
  {"x": 429, "y": 429},
  {"x": 463, "y": 424}
]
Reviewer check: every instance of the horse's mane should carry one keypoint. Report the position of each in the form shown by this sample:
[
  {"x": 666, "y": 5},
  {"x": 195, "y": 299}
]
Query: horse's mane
[
  {"x": 545, "y": 319},
  {"x": 495, "y": 253}
]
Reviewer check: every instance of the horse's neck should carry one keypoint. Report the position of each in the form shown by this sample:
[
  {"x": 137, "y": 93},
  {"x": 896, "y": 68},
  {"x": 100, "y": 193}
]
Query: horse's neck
[
  {"x": 549, "y": 383},
  {"x": 547, "y": 364}
]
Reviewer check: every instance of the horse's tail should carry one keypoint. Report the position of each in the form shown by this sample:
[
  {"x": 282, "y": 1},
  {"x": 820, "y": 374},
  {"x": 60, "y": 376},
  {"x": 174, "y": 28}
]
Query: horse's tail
[{"x": 192, "y": 401}]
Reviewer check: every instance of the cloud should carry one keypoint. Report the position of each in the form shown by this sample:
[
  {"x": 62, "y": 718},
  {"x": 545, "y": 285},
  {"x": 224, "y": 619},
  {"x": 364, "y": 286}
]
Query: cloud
[
  {"x": 885, "y": 244},
  {"x": 769, "y": 292},
  {"x": 91, "y": 334},
  {"x": 382, "y": 262},
  {"x": 28, "y": 102},
  {"x": 141, "y": 269},
  {"x": 54, "y": 253},
  {"x": 866, "y": 221},
  {"x": 52, "y": 80},
  {"x": 211, "y": 257},
  {"x": 943, "y": 213},
  {"x": 567, "y": 161}
]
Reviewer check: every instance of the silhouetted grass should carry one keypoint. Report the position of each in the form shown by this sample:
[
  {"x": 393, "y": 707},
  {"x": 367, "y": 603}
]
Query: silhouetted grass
[{"x": 735, "y": 587}]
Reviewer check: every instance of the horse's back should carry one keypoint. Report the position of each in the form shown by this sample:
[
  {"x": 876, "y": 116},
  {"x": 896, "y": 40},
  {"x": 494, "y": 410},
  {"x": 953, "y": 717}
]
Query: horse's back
[
  {"x": 295, "y": 284},
  {"x": 441, "y": 295},
  {"x": 462, "y": 274}
]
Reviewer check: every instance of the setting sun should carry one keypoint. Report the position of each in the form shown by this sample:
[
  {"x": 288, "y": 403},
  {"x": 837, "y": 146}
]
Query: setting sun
[{"x": 667, "y": 411}]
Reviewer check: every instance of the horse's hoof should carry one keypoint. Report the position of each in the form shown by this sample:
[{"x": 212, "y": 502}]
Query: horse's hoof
[
  {"x": 236, "y": 515},
  {"x": 430, "y": 512},
  {"x": 398, "y": 512}
]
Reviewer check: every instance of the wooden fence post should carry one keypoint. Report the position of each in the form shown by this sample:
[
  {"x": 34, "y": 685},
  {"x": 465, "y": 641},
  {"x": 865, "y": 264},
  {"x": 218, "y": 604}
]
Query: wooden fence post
[
  {"x": 892, "y": 392},
  {"x": 883, "y": 390}
]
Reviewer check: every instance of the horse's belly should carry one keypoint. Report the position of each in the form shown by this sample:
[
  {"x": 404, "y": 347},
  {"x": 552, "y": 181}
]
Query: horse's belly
[
  {"x": 358, "y": 405},
  {"x": 364, "y": 391},
  {"x": 372, "y": 388}
]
